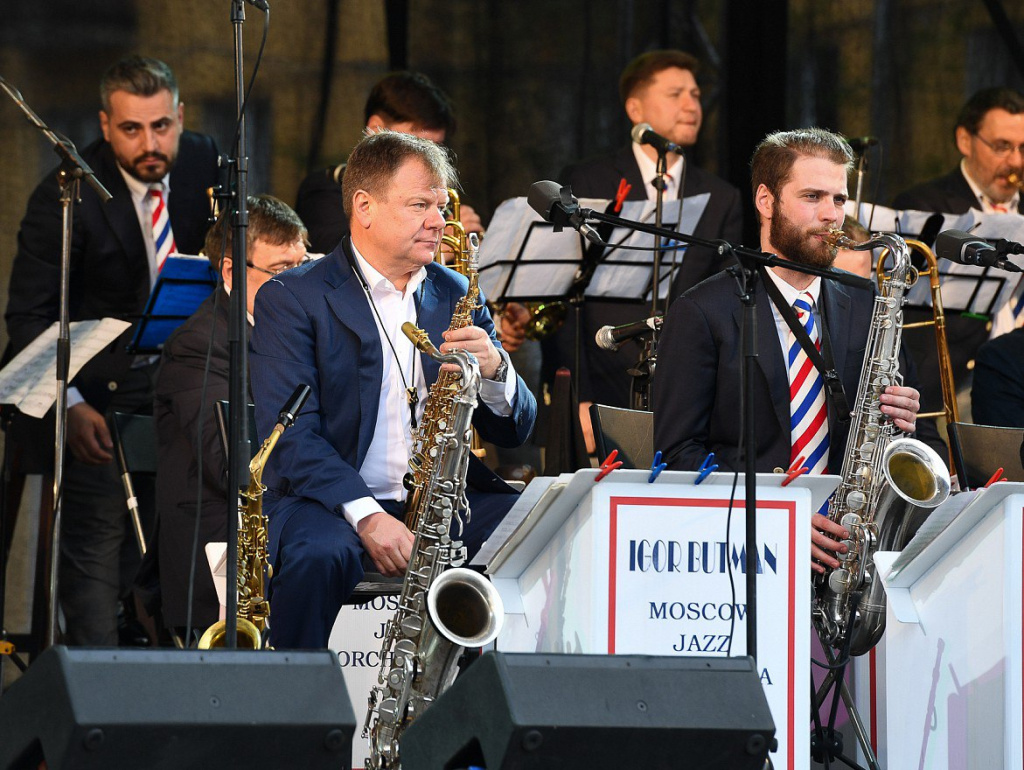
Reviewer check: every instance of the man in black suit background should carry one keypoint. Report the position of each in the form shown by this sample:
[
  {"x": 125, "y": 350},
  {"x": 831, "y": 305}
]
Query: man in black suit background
[
  {"x": 113, "y": 266},
  {"x": 404, "y": 101},
  {"x": 193, "y": 376},
  {"x": 989, "y": 134},
  {"x": 658, "y": 88},
  {"x": 799, "y": 180},
  {"x": 997, "y": 396}
]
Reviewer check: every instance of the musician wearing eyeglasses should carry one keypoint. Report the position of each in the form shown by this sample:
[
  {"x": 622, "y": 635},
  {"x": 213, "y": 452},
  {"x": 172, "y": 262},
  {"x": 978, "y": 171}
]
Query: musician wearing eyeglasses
[
  {"x": 989, "y": 135},
  {"x": 193, "y": 376}
]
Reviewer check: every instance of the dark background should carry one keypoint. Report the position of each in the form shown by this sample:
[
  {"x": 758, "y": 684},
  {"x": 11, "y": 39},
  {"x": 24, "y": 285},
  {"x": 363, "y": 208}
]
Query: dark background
[{"x": 534, "y": 82}]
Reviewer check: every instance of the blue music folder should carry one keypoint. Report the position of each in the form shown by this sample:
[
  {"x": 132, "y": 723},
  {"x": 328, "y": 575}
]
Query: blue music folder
[{"x": 182, "y": 285}]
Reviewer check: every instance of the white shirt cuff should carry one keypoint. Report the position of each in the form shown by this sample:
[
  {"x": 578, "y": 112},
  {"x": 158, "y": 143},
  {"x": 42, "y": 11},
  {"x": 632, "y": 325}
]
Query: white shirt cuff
[
  {"x": 498, "y": 395},
  {"x": 74, "y": 397},
  {"x": 357, "y": 510}
]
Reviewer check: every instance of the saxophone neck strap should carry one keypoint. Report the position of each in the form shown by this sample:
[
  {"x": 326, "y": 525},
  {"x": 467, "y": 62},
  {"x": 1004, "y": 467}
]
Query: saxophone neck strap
[{"x": 823, "y": 360}]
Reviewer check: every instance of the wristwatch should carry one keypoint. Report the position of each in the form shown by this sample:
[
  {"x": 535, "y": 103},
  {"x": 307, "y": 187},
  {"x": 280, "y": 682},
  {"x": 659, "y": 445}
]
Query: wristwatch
[{"x": 501, "y": 373}]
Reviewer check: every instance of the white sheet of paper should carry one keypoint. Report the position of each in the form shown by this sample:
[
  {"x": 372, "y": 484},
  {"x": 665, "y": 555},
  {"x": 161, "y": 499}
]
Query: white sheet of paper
[
  {"x": 965, "y": 288},
  {"x": 614, "y": 279},
  {"x": 29, "y": 381}
]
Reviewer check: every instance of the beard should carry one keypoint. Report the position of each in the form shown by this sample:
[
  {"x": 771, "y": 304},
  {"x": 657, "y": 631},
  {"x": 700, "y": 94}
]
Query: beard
[
  {"x": 798, "y": 245},
  {"x": 144, "y": 169}
]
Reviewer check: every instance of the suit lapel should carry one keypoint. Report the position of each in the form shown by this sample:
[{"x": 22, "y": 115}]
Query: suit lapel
[
  {"x": 435, "y": 312},
  {"x": 836, "y": 309},
  {"x": 347, "y": 300},
  {"x": 769, "y": 353},
  {"x": 626, "y": 165}
]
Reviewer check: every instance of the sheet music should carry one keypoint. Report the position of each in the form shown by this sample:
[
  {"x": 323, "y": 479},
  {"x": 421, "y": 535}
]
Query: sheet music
[
  {"x": 965, "y": 288},
  {"x": 29, "y": 382},
  {"x": 613, "y": 279},
  {"x": 547, "y": 261}
]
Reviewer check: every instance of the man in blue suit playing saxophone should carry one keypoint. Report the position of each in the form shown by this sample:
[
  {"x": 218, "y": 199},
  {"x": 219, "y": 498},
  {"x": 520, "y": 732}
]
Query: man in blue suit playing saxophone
[{"x": 335, "y": 484}]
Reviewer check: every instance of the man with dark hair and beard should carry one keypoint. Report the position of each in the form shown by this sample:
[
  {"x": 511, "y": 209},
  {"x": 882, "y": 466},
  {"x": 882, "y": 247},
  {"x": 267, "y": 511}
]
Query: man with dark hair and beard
[
  {"x": 158, "y": 175},
  {"x": 799, "y": 180}
]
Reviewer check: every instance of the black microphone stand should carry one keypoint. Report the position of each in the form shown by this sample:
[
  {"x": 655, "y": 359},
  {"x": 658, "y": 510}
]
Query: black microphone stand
[
  {"x": 239, "y": 452},
  {"x": 69, "y": 176},
  {"x": 746, "y": 274},
  {"x": 643, "y": 372}
]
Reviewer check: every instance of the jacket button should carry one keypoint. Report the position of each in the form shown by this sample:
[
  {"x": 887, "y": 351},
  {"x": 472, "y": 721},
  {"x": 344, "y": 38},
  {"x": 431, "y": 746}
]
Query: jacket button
[{"x": 111, "y": 386}]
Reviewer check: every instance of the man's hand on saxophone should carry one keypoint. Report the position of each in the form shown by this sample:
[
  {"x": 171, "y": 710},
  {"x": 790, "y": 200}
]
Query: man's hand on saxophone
[
  {"x": 901, "y": 405},
  {"x": 388, "y": 541},
  {"x": 476, "y": 341}
]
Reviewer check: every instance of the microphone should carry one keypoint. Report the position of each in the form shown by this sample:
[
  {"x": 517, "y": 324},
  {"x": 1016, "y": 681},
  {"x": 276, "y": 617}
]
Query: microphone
[
  {"x": 611, "y": 337},
  {"x": 642, "y": 133},
  {"x": 861, "y": 143},
  {"x": 967, "y": 249},
  {"x": 556, "y": 205}
]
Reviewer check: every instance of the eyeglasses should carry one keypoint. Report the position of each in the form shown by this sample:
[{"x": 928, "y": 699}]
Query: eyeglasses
[
  {"x": 1001, "y": 148},
  {"x": 306, "y": 258}
]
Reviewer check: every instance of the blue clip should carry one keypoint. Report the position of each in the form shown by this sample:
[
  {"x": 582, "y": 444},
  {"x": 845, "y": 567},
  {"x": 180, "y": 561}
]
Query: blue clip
[
  {"x": 706, "y": 468},
  {"x": 656, "y": 467}
]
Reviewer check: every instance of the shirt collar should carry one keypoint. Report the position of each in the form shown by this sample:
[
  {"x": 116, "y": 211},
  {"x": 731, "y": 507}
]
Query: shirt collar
[
  {"x": 139, "y": 189},
  {"x": 378, "y": 282},
  {"x": 649, "y": 169},
  {"x": 986, "y": 202},
  {"x": 790, "y": 292}
]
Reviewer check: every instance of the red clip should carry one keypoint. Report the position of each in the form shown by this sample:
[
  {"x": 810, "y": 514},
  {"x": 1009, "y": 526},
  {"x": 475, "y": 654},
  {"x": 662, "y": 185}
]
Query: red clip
[
  {"x": 621, "y": 193},
  {"x": 996, "y": 478},
  {"x": 796, "y": 469},
  {"x": 608, "y": 465}
]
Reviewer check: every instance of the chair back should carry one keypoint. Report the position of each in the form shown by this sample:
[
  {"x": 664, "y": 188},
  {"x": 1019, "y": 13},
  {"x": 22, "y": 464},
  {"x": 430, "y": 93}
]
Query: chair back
[
  {"x": 980, "y": 450},
  {"x": 134, "y": 438},
  {"x": 222, "y": 411},
  {"x": 628, "y": 430}
]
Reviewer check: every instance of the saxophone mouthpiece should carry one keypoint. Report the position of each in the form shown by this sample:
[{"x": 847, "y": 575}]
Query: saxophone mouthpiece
[
  {"x": 419, "y": 338},
  {"x": 837, "y": 239}
]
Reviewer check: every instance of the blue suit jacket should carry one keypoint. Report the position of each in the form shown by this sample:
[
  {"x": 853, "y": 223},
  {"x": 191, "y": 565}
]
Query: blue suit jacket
[{"x": 315, "y": 327}]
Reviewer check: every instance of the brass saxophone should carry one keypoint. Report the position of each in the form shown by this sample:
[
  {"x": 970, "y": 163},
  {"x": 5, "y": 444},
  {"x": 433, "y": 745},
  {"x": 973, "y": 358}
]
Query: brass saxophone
[
  {"x": 442, "y": 608},
  {"x": 253, "y": 561},
  {"x": 885, "y": 481}
]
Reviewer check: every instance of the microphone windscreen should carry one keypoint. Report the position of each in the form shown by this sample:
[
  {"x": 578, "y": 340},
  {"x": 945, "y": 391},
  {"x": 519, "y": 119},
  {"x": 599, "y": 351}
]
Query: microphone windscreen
[
  {"x": 542, "y": 196},
  {"x": 638, "y": 132},
  {"x": 949, "y": 244}
]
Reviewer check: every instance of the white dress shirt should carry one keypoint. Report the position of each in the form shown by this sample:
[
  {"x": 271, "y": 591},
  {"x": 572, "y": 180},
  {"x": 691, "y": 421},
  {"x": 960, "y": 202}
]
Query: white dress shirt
[{"x": 387, "y": 458}]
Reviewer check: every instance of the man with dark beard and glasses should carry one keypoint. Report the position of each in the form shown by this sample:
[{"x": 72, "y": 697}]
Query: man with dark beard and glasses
[
  {"x": 799, "y": 179},
  {"x": 158, "y": 175}
]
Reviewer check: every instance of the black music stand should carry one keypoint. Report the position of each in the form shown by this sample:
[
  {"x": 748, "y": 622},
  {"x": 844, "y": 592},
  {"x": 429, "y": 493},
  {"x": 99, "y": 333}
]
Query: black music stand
[{"x": 181, "y": 287}]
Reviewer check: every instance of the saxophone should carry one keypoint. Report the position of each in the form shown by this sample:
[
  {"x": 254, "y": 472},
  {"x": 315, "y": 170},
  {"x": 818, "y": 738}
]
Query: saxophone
[
  {"x": 442, "y": 607},
  {"x": 886, "y": 482},
  {"x": 253, "y": 560}
]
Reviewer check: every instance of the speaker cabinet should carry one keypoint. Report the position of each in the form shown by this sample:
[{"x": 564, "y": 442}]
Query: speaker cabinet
[
  {"x": 123, "y": 709},
  {"x": 595, "y": 712}
]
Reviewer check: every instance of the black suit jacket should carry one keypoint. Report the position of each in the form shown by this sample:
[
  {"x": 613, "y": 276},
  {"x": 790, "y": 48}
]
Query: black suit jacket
[
  {"x": 179, "y": 408},
  {"x": 697, "y": 393},
  {"x": 949, "y": 194},
  {"x": 997, "y": 397},
  {"x": 603, "y": 375},
  {"x": 320, "y": 205},
  {"x": 109, "y": 267}
]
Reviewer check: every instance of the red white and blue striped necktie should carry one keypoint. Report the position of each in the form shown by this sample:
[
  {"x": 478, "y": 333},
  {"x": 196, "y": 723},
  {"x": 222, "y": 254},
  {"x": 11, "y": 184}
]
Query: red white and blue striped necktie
[
  {"x": 163, "y": 238},
  {"x": 808, "y": 414}
]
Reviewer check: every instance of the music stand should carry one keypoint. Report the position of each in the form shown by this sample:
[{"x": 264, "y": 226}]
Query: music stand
[
  {"x": 524, "y": 260},
  {"x": 29, "y": 384},
  {"x": 182, "y": 285}
]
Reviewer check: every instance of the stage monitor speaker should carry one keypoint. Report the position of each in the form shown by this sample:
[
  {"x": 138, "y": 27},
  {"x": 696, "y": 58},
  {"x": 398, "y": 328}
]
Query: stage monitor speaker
[
  {"x": 125, "y": 709},
  {"x": 595, "y": 712}
]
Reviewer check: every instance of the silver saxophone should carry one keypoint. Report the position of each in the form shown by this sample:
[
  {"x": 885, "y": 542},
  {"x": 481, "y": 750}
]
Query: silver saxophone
[
  {"x": 888, "y": 484},
  {"x": 443, "y": 608}
]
